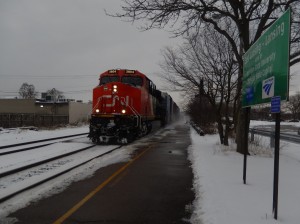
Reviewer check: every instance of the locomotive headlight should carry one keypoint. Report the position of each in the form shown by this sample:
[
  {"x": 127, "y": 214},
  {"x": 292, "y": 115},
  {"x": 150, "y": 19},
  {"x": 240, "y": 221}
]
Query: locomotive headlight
[
  {"x": 123, "y": 111},
  {"x": 115, "y": 88},
  {"x": 97, "y": 110}
]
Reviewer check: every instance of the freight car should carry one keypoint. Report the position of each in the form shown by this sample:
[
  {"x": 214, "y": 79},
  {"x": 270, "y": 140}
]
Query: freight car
[
  {"x": 170, "y": 110},
  {"x": 125, "y": 103}
]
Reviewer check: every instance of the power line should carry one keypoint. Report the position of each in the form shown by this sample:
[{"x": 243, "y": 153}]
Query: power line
[
  {"x": 48, "y": 76},
  {"x": 8, "y": 92},
  {"x": 66, "y": 92}
]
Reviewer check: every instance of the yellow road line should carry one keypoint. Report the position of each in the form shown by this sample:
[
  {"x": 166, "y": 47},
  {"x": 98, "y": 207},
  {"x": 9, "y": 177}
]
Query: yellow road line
[{"x": 97, "y": 189}]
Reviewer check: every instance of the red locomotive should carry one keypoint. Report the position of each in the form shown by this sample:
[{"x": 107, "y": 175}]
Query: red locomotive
[{"x": 124, "y": 105}]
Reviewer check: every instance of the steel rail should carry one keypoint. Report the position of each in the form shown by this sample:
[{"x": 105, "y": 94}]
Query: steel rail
[
  {"x": 25, "y": 149},
  {"x": 9, "y": 172},
  {"x": 42, "y": 140},
  {"x": 5, "y": 198},
  {"x": 34, "y": 142}
]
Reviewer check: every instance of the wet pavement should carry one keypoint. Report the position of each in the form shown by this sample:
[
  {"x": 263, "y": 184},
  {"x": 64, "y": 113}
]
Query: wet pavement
[{"x": 155, "y": 187}]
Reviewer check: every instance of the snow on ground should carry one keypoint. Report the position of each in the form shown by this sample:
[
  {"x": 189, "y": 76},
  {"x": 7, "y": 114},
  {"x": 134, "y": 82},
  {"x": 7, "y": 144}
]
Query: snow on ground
[
  {"x": 221, "y": 196},
  {"x": 59, "y": 184},
  {"x": 17, "y": 135}
]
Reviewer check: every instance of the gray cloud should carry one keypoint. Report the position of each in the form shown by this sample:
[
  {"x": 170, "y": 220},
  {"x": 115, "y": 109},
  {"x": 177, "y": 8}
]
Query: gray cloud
[
  {"x": 45, "y": 41},
  {"x": 66, "y": 44}
]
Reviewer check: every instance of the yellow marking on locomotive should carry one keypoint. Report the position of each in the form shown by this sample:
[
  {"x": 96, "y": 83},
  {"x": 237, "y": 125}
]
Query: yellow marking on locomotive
[
  {"x": 112, "y": 71},
  {"x": 129, "y": 71},
  {"x": 103, "y": 115}
]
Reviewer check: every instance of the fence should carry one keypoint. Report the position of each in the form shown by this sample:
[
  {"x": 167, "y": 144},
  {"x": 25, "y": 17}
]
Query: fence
[
  {"x": 284, "y": 136},
  {"x": 39, "y": 120},
  {"x": 197, "y": 128}
]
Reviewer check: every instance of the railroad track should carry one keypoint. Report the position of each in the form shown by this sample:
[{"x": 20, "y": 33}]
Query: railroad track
[
  {"x": 15, "y": 178},
  {"x": 19, "y": 147}
]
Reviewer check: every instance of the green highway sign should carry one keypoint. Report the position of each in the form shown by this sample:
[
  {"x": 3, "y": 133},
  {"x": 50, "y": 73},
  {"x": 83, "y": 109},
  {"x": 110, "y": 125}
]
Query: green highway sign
[{"x": 266, "y": 64}]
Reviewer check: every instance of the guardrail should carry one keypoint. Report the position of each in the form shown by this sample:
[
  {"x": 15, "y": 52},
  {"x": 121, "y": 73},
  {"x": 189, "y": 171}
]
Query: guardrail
[
  {"x": 271, "y": 134},
  {"x": 197, "y": 129}
]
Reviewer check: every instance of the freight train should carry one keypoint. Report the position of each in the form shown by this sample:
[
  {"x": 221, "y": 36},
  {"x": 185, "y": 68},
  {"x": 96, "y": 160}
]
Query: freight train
[{"x": 125, "y": 103}]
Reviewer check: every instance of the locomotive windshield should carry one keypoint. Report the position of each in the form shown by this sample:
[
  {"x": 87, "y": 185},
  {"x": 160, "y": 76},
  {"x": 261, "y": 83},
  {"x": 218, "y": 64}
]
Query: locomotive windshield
[
  {"x": 108, "y": 79},
  {"x": 132, "y": 80}
]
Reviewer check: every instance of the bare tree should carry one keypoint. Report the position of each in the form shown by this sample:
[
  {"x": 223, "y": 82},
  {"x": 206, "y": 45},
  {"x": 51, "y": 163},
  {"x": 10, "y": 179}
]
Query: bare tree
[
  {"x": 250, "y": 18},
  {"x": 293, "y": 105},
  {"x": 201, "y": 113},
  {"x": 205, "y": 66},
  {"x": 55, "y": 94},
  {"x": 27, "y": 91}
]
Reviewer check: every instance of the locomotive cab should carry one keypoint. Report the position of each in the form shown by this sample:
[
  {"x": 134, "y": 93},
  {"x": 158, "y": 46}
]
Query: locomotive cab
[{"x": 123, "y": 107}]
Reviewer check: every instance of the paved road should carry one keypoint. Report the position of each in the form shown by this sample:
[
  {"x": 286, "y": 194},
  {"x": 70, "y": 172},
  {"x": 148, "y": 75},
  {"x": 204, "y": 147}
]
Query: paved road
[
  {"x": 156, "y": 187},
  {"x": 283, "y": 127}
]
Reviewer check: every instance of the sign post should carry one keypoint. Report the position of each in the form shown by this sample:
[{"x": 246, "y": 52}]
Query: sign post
[
  {"x": 265, "y": 79},
  {"x": 276, "y": 165},
  {"x": 275, "y": 108}
]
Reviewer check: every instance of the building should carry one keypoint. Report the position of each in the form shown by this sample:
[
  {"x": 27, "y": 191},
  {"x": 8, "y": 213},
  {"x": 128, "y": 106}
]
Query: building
[{"x": 33, "y": 112}]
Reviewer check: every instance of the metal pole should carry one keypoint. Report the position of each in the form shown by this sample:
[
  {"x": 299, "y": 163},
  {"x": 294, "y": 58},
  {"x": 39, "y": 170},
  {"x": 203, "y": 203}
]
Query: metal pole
[
  {"x": 247, "y": 114},
  {"x": 276, "y": 166},
  {"x": 245, "y": 168}
]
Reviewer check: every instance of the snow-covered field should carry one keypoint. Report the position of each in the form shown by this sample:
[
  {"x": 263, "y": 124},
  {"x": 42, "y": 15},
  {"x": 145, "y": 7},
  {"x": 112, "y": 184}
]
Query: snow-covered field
[{"x": 221, "y": 196}]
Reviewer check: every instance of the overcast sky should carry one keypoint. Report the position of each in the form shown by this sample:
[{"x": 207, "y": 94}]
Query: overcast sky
[{"x": 66, "y": 44}]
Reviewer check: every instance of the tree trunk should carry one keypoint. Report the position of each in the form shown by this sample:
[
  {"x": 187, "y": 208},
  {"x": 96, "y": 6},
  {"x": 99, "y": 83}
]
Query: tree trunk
[
  {"x": 226, "y": 134},
  {"x": 220, "y": 129},
  {"x": 227, "y": 121}
]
